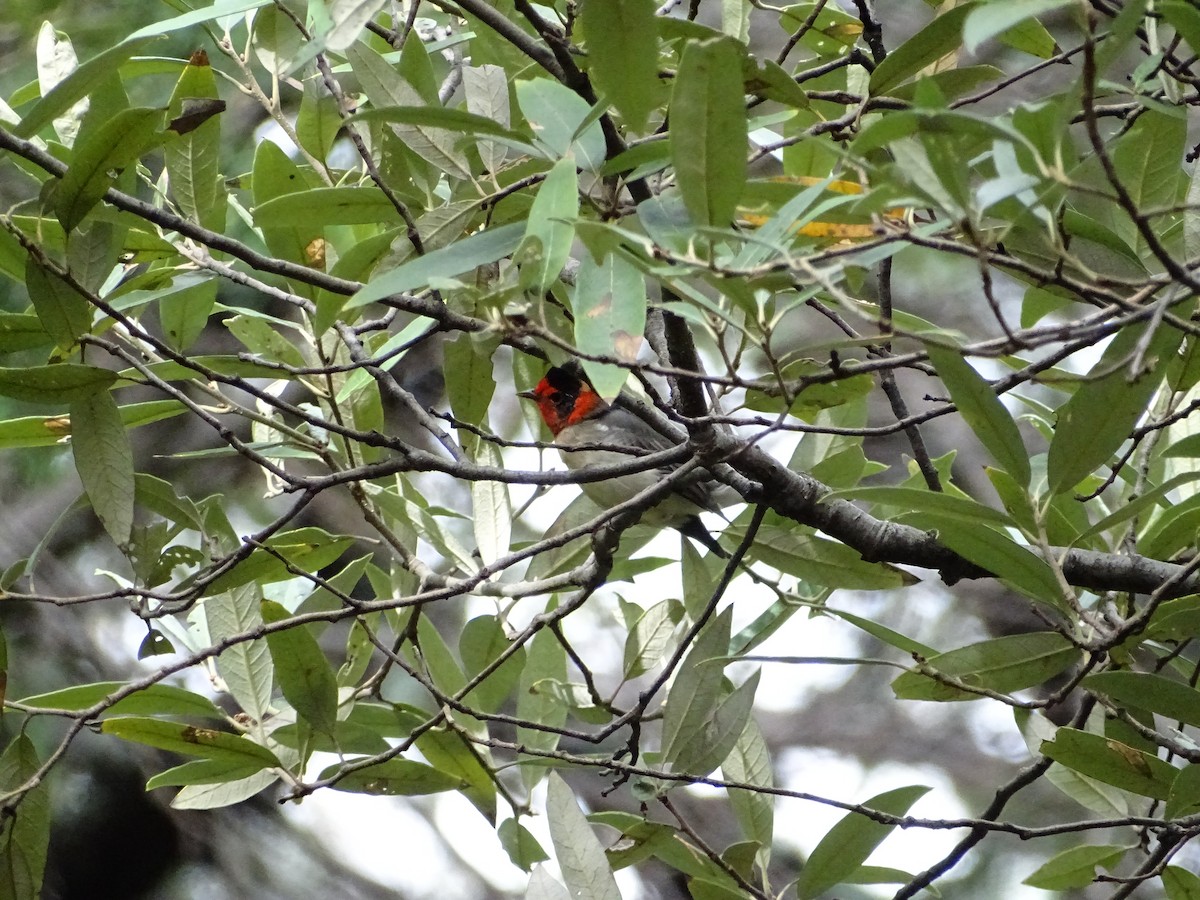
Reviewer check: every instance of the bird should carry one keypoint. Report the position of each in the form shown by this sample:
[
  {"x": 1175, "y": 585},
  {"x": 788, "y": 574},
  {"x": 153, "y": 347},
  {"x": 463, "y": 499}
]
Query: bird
[{"x": 578, "y": 417}]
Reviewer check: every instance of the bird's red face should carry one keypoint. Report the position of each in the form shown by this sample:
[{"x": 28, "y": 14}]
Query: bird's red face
[{"x": 564, "y": 399}]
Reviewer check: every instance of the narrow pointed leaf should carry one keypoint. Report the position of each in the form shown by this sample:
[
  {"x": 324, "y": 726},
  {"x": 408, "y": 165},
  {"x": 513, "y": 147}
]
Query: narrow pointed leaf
[
  {"x": 941, "y": 36},
  {"x": 581, "y": 858},
  {"x": 610, "y": 316},
  {"x": 304, "y": 674},
  {"x": 708, "y": 130},
  {"x": 1075, "y": 867},
  {"x": 851, "y": 841},
  {"x": 1153, "y": 693},
  {"x": 188, "y": 739},
  {"x": 104, "y": 460},
  {"x": 551, "y": 226},
  {"x": 395, "y": 778},
  {"x": 696, "y": 687},
  {"x": 463, "y": 256},
  {"x": 25, "y": 835},
  {"x": 1003, "y": 664},
  {"x": 1094, "y": 423},
  {"x": 246, "y": 666},
  {"x": 622, "y": 45},
  {"x": 62, "y": 310},
  {"x": 1112, "y": 762},
  {"x": 157, "y": 699},
  {"x": 983, "y": 411},
  {"x": 112, "y": 146}
]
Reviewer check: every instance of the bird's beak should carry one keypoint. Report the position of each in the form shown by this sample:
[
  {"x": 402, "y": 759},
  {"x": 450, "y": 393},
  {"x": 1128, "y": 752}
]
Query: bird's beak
[{"x": 527, "y": 395}]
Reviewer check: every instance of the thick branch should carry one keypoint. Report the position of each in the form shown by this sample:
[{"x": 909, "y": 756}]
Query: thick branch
[{"x": 800, "y": 497}]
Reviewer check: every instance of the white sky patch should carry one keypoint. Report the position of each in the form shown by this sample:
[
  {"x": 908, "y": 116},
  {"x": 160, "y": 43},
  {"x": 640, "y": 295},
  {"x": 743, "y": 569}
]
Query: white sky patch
[{"x": 386, "y": 840}]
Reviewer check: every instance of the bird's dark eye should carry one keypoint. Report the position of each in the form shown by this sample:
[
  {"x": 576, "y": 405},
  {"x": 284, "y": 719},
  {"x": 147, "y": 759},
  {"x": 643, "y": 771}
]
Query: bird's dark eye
[{"x": 556, "y": 396}]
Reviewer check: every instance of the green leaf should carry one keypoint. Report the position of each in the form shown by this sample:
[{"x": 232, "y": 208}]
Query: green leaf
[
  {"x": 770, "y": 80},
  {"x": 189, "y": 740},
  {"x": 609, "y": 304},
  {"x": 878, "y": 875},
  {"x": 851, "y": 841},
  {"x": 995, "y": 551},
  {"x": 931, "y": 42},
  {"x": 550, "y": 229},
  {"x": 356, "y": 205},
  {"x": 491, "y": 508},
  {"x": 1005, "y": 664},
  {"x": 115, "y": 144},
  {"x": 1094, "y": 423},
  {"x": 183, "y": 314},
  {"x": 562, "y": 122},
  {"x": 922, "y": 501},
  {"x": 25, "y": 835},
  {"x": 649, "y": 635},
  {"x": 821, "y": 561},
  {"x": 1185, "y": 794},
  {"x": 1184, "y": 18},
  {"x": 104, "y": 459},
  {"x": 696, "y": 688},
  {"x": 708, "y": 130},
  {"x": 482, "y": 641},
  {"x": 308, "y": 549},
  {"x": 486, "y": 89},
  {"x": 520, "y": 845},
  {"x": 621, "y": 37},
  {"x": 883, "y": 633},
  {"x": 470, "y": 383},
  {"x": 1180, "y": 884},
  {"x": 386, "y": 88},
  {"x": 349, "y": 18},
  {"x": 443, "y": 669},
  {"x": 1153, "y": 693},
  {"x": 275, "y": 175},
  {"x": 263, "y": 340},
  {"x": 62, "y": 310},
  {"x": 416, "y": 67},
  {"x": 1147, "y": 160},
  {"x": 714, "y": 734},
  {"x": 318, "y": 122},
  {"x": 1175, "y": 619},
  {"x": 394, "y": 778},
  {"x": 1135, "y": 507},
  {"x": 155, "y": 700},
  {"x": 192, "y": 157},
  {"x": 463, "y": 256},
  {"x": 78, "y": 85},
  {"x": 546, "y": 665},
  {"x": 1029, "y": 36},
  {"x": 245, "y": 666},
  {"x": 206, "y": 771},
  {"x": 580, "y": 856},
  {"x": 1075, "y": 867},
  {"x": 1112, "y": 762},
  {"x": 92, "y": 253},
  {"x": 453, "y": 754},
  {"x": 198, "y": 17},
  {"x": 451, "y": 119},
  {"x": 276, "y": 40},
  {"x": 992, "y": 19},
  {"x": 750, "y": 763},
  {"x": 215, "y": 796},
  {"x": 303, "y": 672},
  {"x": 22, "y": 331},
  {"x": 983, "y": 411}
]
